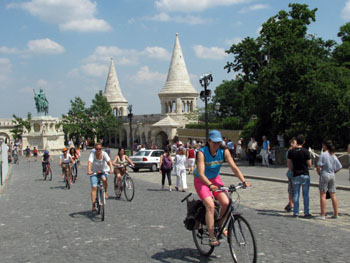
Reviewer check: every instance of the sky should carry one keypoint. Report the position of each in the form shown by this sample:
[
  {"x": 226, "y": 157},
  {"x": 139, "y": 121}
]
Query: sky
[{"x": 65, "y": 46}]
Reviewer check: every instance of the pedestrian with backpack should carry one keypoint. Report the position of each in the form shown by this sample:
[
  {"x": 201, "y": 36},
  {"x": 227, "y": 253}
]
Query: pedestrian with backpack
[{"x": 166, "y": 165}]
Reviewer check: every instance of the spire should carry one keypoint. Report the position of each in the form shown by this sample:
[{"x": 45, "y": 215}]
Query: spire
[
  {"x": 178, "y": 80},
  {"x": 112, "y": 89}
]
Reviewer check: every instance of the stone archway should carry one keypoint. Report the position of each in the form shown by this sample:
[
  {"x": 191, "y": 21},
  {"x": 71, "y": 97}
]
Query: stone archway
[{"x": 161, "y": 140}]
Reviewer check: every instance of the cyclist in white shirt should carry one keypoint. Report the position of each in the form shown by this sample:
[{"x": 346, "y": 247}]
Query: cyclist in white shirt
[
  {"x": 65, "y": 159},
  {"x": 99, "y": 162}
]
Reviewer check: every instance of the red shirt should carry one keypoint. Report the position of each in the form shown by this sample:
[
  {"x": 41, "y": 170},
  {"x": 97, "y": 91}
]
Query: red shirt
[{"x": 191, "y": 154}]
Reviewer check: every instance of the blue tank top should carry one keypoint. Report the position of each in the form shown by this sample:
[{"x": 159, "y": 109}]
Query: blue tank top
[{"x": 212, "y": 164}]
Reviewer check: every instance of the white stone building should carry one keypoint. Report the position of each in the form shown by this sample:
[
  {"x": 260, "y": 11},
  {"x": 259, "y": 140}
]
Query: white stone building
[{"x": 177, "y": 98}]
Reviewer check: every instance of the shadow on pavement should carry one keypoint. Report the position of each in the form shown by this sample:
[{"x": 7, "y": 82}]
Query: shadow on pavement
[
  {"x": 93, "y": 216},
  {"x": 183, "y": 254},
  {"x": 58, "y": 187},
  {"x": 267, "y": 212},
  {"x": 39, "y": 180}
]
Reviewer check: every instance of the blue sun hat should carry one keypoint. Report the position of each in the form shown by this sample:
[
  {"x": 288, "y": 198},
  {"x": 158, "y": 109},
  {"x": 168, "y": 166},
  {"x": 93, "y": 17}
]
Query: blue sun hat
[{"x": 215, "y": 136}]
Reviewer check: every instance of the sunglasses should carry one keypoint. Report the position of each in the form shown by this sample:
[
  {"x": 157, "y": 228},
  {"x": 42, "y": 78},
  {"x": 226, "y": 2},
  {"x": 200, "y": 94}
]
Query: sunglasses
[{"x": 98, "y": 149}]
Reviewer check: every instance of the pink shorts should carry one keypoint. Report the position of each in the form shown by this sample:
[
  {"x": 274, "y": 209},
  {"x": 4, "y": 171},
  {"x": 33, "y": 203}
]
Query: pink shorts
[{"x": 203, "y": 190}]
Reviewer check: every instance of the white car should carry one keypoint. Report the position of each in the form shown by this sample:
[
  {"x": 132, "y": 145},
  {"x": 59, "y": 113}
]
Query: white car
[{"x": 148, "y": 159}]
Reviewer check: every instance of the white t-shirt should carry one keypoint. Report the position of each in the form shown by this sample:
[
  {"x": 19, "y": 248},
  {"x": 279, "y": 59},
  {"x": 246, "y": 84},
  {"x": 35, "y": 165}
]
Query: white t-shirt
[
  {"x": 99, "y": 165},
  {"x": 66, "y": 159}
]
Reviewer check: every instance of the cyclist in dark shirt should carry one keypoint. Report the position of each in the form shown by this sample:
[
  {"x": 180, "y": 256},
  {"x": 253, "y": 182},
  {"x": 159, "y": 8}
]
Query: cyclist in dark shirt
[
  {"x": 45, "y": 159},
  {"x": 298, "y": 163}
]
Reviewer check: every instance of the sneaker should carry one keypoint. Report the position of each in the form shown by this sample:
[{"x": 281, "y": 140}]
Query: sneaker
[
  {"x": 288, "y": 208},
  {"x": 334, "y": 217},
  {"x": 296, "y": 216},
  {"x": 307, "y": 216},
  {"x": 321, "y": 217}
]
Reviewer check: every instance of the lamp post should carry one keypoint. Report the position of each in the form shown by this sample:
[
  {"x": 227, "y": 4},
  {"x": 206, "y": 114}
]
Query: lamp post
[
  {"x": 204, "y": 95},
  {"x": 130, "y": 115}
]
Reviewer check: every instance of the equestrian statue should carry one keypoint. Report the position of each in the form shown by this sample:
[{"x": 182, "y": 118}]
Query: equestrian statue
[{"x": 41, "y": 103}]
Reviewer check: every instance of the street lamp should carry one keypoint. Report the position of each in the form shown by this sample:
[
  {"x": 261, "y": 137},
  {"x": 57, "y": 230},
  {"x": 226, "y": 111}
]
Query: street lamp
[
  {"x": 205, "y": 80},
  {"x": 130, "y": 115}
]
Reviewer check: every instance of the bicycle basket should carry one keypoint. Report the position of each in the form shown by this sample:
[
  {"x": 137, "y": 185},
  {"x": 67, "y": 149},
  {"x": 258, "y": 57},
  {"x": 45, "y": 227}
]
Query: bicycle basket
[{"x": 195, "y": 214}]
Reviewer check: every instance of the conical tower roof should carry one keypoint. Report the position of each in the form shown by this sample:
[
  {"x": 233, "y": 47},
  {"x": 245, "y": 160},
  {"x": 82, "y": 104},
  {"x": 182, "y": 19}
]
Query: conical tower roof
[
  {"x": 178, "y": 80},
  {"x": 112, "y": 89}
]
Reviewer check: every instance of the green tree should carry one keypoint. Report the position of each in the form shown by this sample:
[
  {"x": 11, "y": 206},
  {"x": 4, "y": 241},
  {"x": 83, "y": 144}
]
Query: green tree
[
  {"x": 103, "y": 120},
  {"x": 77, "y": 122},
  {"x": 20, "y": 124},
  {"x": 296, "y": 84}
]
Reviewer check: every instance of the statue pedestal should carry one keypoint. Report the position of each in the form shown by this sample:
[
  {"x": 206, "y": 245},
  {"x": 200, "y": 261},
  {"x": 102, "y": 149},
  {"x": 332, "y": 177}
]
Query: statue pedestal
[{"x": 44, "y": 135}]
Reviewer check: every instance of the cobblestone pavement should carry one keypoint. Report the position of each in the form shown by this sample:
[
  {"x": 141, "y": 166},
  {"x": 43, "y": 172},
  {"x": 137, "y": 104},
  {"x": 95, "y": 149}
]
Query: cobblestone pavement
[{"x": 42, "y": 221}]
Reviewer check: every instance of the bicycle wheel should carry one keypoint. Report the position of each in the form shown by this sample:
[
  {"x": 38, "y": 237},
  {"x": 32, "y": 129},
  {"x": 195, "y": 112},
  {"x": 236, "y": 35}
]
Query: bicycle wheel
[
  {"x": 97, "y": 202},
  {"x": 201, "y": 240},
  {"x": 128, "y": 187},
  {"x": 50, "y": 174},
  {"x": 74, "y": 172},
  {"x": 44, "y": 175},
  {"x": 102, "y": 203},
  {"x": 241, "y": 240},
  {"x": 115, "y": 186}
]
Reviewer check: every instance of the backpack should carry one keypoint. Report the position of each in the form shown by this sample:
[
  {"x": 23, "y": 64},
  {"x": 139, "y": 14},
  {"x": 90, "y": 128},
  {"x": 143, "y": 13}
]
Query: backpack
[{"x": 166, "y": 164}]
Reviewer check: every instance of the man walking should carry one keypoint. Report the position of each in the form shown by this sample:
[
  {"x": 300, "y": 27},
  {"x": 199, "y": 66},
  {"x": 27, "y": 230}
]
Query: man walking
[
  {"x": 265, "y": 151},
  {"x": 298, "y": 163}
]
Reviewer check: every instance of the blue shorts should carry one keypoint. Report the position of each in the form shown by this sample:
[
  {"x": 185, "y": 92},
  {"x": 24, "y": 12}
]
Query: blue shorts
[{"x": 94, "y": 179}]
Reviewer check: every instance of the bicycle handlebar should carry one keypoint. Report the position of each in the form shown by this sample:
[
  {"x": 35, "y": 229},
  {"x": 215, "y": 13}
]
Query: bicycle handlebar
[
  {"x": 232, "y": 188},
  {"x": 125, "y": 164}
]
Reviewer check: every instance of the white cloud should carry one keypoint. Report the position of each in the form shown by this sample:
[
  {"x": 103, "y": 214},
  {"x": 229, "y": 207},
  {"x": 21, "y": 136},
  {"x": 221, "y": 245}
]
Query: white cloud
[
  {"x": 157, "y": 53},
  {"x": 346, "y": 11},
  {"x": 127, "y": 56},
  {"x": 209, "y": 52},
  {"x": 234, "y": 40},
  {"x": 258, "y": 30},
  {"x": 5, "y": 71},
  {"x": 44, "y": 46},
  {"x": 8, "y": 50},
  {"x": 95, "y": 70},
  {"x": 86, "y": 25},
  {"x": 77, "y": 15},
  {"x": 193, "y": 5},
  {"x": 145, "y": 75},
  {"x": 253, "y": 8},
  {"x": 190, "y": 20}
]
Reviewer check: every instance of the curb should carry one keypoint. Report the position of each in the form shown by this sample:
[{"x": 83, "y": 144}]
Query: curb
[{"x": 256, "y": 177}]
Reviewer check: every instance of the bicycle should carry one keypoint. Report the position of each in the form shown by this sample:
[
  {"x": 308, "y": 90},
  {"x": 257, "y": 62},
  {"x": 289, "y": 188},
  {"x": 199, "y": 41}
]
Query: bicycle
[
  {"x": 240, "y": 236},
  {"x": 126, "y": 184},
  {"x": 67, "y": 180},
  {"x": 47, "y": 174},
  {"x": 100, "y": 201},
  {"x": 15, "y": 159},
  {"x": 74, "y": 172}
]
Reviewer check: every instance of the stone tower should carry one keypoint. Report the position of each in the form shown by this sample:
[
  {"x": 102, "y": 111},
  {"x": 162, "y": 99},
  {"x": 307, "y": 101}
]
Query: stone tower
[
  {"x": 113, "y": 93},
  {"x": 178, "y": 95}
]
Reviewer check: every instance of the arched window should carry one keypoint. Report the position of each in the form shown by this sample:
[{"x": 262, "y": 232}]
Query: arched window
[{"x": 115, "y": 112}]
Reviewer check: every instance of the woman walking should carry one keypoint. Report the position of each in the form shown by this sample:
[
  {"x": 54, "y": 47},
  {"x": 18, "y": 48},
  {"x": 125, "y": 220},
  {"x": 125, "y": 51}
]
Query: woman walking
[
  {"x": 180, "y": 160},
  {"x": 191, "y": 158},
  {"x": 165, "y": 166},
  {"x": 327, "y": 166},
  {"x": 289, "y": 206}
]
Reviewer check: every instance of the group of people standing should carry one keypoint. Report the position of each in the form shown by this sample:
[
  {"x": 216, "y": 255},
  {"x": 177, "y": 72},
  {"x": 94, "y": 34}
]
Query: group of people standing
[{"x": 299, "y": 162}]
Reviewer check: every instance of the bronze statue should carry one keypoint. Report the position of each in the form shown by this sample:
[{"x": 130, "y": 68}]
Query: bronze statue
[{"x": 41, "y": 103}]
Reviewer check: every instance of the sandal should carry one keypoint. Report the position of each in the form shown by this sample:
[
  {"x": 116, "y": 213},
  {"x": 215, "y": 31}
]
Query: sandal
[
  {"x": 225, "y": 232},
  {"x": 214, "y": 242},
  {"x": 94, "y": 209},
  {"x": 106, "y": 195},
  {"x": 118, "y": 195}
]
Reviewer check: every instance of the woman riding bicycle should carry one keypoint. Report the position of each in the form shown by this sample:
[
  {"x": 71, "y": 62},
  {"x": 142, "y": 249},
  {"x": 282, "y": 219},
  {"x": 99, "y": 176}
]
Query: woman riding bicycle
[
  {"x": 45, "y": 159},
  {"x": 207, "y": 179},
  {"x": 99, "y": 162},
  {"x": 75, "y": 157},
  {"x": 119, "y": 171},
  {"x": 65, "y": 160}
]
